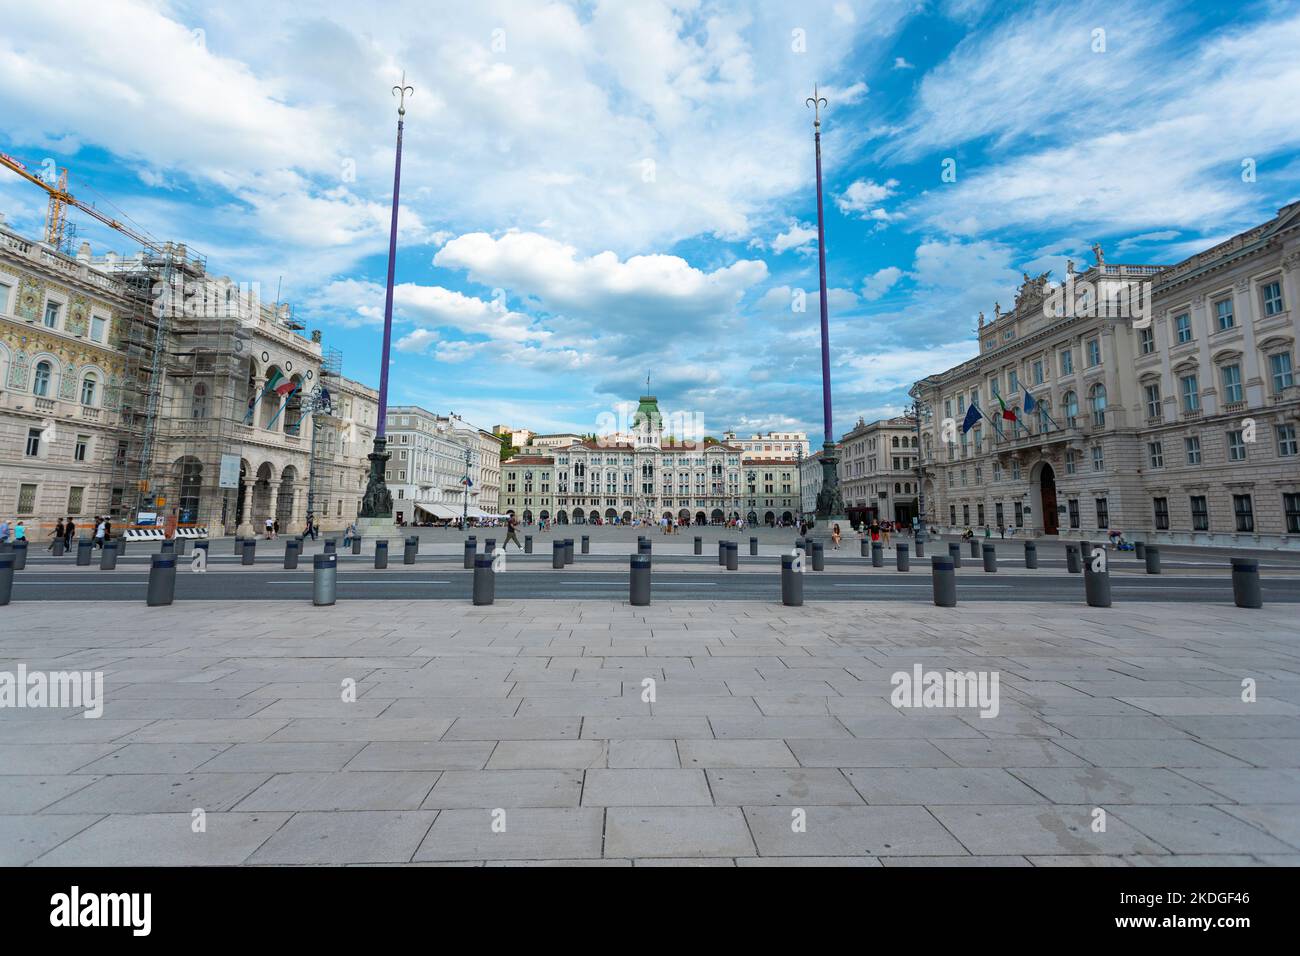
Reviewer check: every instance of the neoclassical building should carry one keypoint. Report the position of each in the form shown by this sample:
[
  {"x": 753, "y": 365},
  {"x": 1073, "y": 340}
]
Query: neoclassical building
[
  {"x": 877, "y": 470},
  {"x": 429, "y": 465},
  {"x": 1176, "y": 424},
  {"x": 144, "y": 389},
  {"x": 648, "y": 477}
]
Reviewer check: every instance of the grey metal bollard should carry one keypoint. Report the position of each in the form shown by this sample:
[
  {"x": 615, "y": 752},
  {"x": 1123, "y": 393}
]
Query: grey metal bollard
[
  {"x": 1085, "y": 549},
  {"x": 1031, "y": 555},
  {"x": 6, "y": 578},
  {"x": 121, "y": 547},
  {"x": 292, "y": 551},
  {"x": 489, "y": 545},
  {"x": 865, "y": 547},
  {"x": 1139, "y": 550},
  {"x": 528, "y": 544},
  {"x": 239, "y": 545},
  {"x": 944, "y": 581},
  {"x": 954, "y": 554},
  {"x": 250, "y": 551},
  {"x": 586, "y": 544},
  {"x": 901, "y": 557},
  {"x": 181, "y": 546},
  {"x": 990, "y": 559},
  {"x": 167, "y": 547},
  {"x": 1096, "y": 586},
  {"x": 639, "y": 580},
  {"x": 791, "y": 582},
  {"x": 162, "y": 581},
  {"x": 568, "y": 551},
  {"x": 1153, "y": 559},
  {"x": 877, "y": 554},
  {"x": 6, "y": 547},
  {"x": 722, "y": 553},
  {"x": 107, "y": 557},
  {"x": 1072, "y": 559},
  {"x": 485, "y": 588},
  {"x": 409, "y": 547},
  {"x": 818, "y": 556},
  {"x": 356, "y": 545},
  {"x": 753, "y": 547},
  {"x": 974, "y": 548},
  {"x": 331, "y": 546},
  {"x": 1246, "y": 591},
  {"x": 84, "y": 547},
  {"x": 557, "y": 554},
  {"x": 920, "y": 547},
  {"x": 381, "y": 554},
  {"x": 324, "y": 579},
  {"x": 801, "y": 544},
  {"x": 198, "y": 546},
  {"x": 699, "y": 545},
  {"x": 733, "y": 555},
  {"x": 58, "y": 547},
  {"x": 470, "y": 548},
  {"x": 20, "y": 554}
]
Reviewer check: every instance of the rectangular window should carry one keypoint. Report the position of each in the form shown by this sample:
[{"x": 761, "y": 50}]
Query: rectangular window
[
  {"x": 1162, "y": 513},
  {"x": 1191, "y": 394},
  {"x": 1013, "y": 383},
  {"x": 33, "y": 442},
  {"x": 74, "y": 500},
  {"x": 1231, "y": 375},
  {"x": 1038, "y": 373},
  {"x": 979, "y": 514},
  {"x": 1015, "y": 469},
  {"x": 26, "y": 499},
  {"x": 97, "y": 328},
  {"x": 952, "y": 515},
  {"x": 5, "y": 290},
  {"x": 1153, "y": 400},
  {"x": 1156, "y": 454},
  {"x": 1067, "y": 362},
  {"x": 1103, "y": 513},
  {"x": 1019, "y": 509},
  {"x": 1236, "y": 446},
  {"x": 79, "y": 450},
  {"x": 1193, "y": 448},
  {"x": 1098, "y": 459},
  {"x": 1183, "y": 328},
  {"x": 1223, "y": 314},
  {"x": 1244, "y": 511},
  {"x": 1279, "y": 366},
  {"x": 965, "y": 514},
  {"x": 1094, "y": 353},
  {"x": 1070, "y": 459},
  {"x": 1073, "y": 505},
  {"x": 1286, "y": 441},
  {"x": 1271, "y": 292},
  {"x": 51, "y": 315},
  {"x": 1291, "y": 507},
  {"x": 1147, "y": 340},
  {"x": 997, "y": 514},
  {"x": 1200, "y": 513}
]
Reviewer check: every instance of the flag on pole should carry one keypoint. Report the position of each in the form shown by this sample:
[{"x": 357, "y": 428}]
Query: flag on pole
[
  {"x": 290, "y": 389},
  {"x": 1030, "y": 404},
  {"x": 1007, "y": 413},
  {"x": 274, "y": 382},
  {"x": 972, "y": 416}
]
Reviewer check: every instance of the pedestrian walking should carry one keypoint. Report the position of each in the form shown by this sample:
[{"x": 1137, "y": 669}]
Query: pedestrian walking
[
  {"x": 100, "y": 530},
  {"x": 511, "y": 527},
  {"x": 885, "y": 528},
  {"x": 55, "y": 535},
  {"x": 20, "y": 531},
  {"x": 69, "y": 530},
  {"x": 270, "y": 529},
  {"x": 4, "y": 530},
  {"x": 875, "y": 531}
]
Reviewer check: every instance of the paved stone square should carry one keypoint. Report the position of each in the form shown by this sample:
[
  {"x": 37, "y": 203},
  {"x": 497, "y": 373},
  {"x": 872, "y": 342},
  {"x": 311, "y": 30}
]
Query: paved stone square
[{"x": 525, "y": 733}]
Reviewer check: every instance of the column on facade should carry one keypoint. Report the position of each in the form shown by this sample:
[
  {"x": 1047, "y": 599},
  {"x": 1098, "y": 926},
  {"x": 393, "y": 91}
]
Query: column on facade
[{"x": 273, "y": 501}]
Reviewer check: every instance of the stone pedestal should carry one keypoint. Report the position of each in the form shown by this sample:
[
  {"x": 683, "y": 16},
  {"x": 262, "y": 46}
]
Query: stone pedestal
[{"x": 370, "y": 528}]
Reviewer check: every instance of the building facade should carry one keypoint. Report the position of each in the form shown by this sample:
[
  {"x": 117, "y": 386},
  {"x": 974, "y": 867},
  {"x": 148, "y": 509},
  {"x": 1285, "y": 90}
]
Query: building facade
[
  {"x": 581, "y": 481},
  {"x": 810, "y": 483},
  {"x": 771, "y": 488},
  {"x": 143, "y": 389},
  {"x": 1176, "y": 424},
  {"x": 779, "y": 446},
  {"x": 432, "y": 456},
  {"x": 877, "y": 470}
]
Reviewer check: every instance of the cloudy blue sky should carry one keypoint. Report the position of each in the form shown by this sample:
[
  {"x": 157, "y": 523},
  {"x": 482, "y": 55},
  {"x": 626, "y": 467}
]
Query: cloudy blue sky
[{"x": 597, "y": 190}]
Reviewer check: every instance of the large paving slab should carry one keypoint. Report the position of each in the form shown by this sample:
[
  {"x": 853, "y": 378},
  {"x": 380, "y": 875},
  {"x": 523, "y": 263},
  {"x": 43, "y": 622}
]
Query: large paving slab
[{"x": 439, "y": 733}]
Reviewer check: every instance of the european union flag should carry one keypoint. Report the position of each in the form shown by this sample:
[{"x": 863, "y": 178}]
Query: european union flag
[
  {"x": 972, "y": 418},
  {"x": 1030, "y": 404}
]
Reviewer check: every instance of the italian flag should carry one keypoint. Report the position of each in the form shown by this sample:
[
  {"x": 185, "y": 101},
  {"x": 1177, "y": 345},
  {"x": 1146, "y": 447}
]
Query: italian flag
[{"x": 1007, "y": 413}]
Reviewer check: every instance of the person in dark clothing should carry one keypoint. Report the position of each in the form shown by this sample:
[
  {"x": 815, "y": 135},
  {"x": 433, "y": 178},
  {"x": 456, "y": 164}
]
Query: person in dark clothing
[
  {"x": 55, "y": 535},
  {"x": 69, "y": 530}
]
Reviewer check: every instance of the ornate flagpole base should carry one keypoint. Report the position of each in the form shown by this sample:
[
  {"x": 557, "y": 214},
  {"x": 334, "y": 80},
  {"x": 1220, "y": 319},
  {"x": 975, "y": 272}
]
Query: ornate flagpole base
[
  {"x": 376, "y": 518},
  {"x": 830, "y": 503}
]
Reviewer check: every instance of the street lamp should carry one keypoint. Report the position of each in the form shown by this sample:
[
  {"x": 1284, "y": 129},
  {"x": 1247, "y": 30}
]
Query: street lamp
[
  {"x": 464, "y": 520},
  {"x": 917, "y": 410}
]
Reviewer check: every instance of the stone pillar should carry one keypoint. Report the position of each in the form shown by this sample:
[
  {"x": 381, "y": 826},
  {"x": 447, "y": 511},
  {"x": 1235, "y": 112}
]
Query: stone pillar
[{"x": 274, "y": 501}]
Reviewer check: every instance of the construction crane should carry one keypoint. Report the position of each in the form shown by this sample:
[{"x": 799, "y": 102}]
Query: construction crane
[{"x": 56, "y": 217}]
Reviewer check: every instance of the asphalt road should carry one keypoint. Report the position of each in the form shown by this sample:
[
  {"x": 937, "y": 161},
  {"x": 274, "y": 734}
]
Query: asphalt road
[{"x": 675, "y": 577}]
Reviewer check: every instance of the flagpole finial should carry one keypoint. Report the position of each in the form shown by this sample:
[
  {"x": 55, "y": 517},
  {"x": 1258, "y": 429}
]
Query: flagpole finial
[
  {"x": 401, "y": 91},
  {"x": 816, "y": 102}
]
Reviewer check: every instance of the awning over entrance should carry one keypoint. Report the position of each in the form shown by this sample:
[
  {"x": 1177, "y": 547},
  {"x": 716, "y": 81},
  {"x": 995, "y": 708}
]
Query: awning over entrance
[{"x": 440, "y": 512}]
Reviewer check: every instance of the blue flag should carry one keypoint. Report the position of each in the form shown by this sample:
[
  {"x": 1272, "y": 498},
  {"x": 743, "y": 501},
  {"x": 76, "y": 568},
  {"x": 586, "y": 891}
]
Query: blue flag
[
  {"x": 972, "y": 418},
  {"x": 1030, "y": 404}
]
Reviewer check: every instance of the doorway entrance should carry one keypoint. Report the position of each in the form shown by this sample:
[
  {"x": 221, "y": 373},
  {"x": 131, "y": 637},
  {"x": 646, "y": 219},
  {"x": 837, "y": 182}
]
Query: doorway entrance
[{"x": 1047, "y": 496}]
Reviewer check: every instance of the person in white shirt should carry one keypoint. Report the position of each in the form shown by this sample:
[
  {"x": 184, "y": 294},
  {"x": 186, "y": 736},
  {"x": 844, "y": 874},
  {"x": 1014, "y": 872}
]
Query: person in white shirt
[{"x": 99, "y": 534}]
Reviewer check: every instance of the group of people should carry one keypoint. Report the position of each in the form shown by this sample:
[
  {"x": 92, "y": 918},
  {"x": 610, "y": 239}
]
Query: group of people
[{"x": 65, "y": 531}]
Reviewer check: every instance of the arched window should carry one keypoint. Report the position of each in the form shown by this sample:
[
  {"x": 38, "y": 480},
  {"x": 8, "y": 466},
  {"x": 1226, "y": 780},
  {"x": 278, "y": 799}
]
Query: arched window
[
  {"x": 89, "y": 387},
  {"x": 895, "y": 441},
  {"x": 1070, "y": 402},
  {"x": 41, "y": 382},
  {"x": 199, "y": 406},
  {"x": 1097, "y": 399}
]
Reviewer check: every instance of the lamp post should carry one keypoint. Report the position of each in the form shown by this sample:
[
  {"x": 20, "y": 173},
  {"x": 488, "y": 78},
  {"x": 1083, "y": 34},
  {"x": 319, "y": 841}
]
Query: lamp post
[
  {"x": 917, "y": 409},
  {"x": 377, "y": 504},
  {"x": 464, "y": 519},
  {"x": 830, "y": 504}
]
